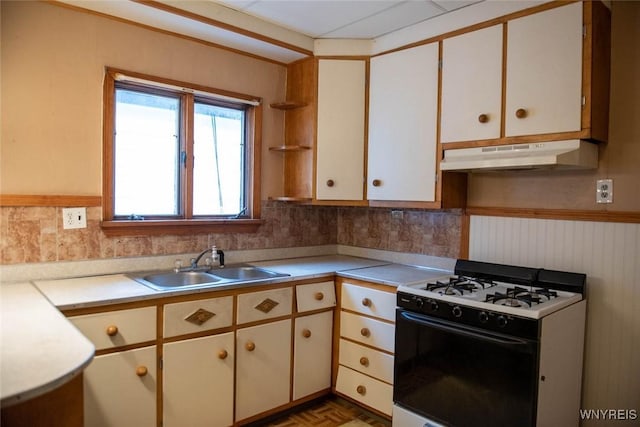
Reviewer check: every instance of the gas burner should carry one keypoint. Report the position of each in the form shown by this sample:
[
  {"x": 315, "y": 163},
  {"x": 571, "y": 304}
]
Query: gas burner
[
  {"x": 517, "y": 297},
  {"x": 459, "y": 285}
]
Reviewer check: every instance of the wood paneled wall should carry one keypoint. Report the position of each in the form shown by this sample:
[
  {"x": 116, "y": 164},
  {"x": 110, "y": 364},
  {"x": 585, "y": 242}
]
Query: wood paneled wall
[{"x": 609, "y": 253}]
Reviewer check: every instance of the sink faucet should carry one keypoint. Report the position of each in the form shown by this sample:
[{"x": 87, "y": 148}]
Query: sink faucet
[{"x": 216, "y": 255}]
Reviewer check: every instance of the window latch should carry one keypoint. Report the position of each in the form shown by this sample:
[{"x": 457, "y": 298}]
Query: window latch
[
  {"x": 183, "y": 158},
  {"x": 239, "y": 214}
]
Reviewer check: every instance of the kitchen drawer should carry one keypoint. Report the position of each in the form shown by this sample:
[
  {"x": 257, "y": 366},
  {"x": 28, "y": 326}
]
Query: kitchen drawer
[
  {"x": 196, "y": 316},
  {"x": 315, "y": 296},
  {"x": 118, "y": 328},
  {"x": 372, "y": 332},
  {"x": 371, "y": 302},
  {"x": 366, "y": 390},
  {"x": 367, "y": 360},
  {"x": 263, "y": 305}
]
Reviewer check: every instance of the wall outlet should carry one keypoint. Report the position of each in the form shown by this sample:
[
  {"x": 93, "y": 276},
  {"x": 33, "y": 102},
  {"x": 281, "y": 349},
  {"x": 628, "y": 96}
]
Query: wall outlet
[
  {"x": 74, "y": 218},
  {"x": 604, "y": 191}
]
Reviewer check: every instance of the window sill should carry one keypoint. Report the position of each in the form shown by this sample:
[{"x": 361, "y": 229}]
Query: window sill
[{"x": 187, "y": 226}]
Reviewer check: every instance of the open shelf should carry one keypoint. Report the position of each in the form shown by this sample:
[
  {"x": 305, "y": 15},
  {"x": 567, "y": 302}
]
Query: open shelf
[
  {"x": 290, "y": 148},
  {"x": 291, "y": 199},
  {"x": 288, "y": 105}
]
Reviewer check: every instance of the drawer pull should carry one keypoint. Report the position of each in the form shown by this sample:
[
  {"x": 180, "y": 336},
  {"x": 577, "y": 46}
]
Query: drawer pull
[
  {"x": 362, "y": 390},
  {"x": 141, "y": 371},
  {"x": 521, "y": 113},
  {"x": 222, "y": 354},
  {"x": 330, "y": 183},
  {"x": 319, "y": 296},
  {"x": 364, "y": 361},
  {"x": 112, "y": 330},
  {"x": 250, "y": 346},
  {"x": 306, "y": 333},
  {"x": 483, "y": 118},
  {"x": 376, "y": 183},
  {"x": 365, "y": 332},
  {"x": 366, "y": 302}
]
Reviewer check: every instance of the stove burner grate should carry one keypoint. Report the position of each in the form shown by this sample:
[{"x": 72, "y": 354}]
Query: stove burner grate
[
  {"x": 518, "y": 296},
  {"x": 459, "y": 285}
]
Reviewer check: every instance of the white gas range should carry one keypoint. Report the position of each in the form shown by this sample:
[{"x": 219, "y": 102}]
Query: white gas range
[{"x": 506, "y": 341}]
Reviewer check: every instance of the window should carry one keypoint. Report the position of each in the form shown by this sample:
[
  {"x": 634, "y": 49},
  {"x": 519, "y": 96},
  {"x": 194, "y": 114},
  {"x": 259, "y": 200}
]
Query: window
[{"x": 178, "y": 156}]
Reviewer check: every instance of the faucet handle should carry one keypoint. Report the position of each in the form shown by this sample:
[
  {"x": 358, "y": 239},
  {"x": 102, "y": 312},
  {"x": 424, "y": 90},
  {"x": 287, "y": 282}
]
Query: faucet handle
[{"x": 177, "y": 265}]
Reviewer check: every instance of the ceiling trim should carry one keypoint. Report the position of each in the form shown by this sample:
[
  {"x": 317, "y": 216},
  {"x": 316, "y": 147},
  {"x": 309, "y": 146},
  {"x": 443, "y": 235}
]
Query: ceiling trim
[
  {"x": 220, "y": 24},
  {"x": 70, "y": 6}
]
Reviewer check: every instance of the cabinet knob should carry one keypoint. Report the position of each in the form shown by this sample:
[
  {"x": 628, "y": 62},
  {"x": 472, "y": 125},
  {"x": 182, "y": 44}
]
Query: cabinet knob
[
  {"x": 376, "y": 183},
  {"x": 112, "y": 330},
  {"x": 222, "y": 354},
  {"x": 521, "y": 113},
  {"x": 306, "y": 333},
  {"x": 330, "y": 183},
  {"x": 362, "y": 390},
  {"x": 366, "y": 302},
  {"x": 483, "y": 118},
  {"x": 141, "y": 371},
  {"x": 365, "y": 332},
  {"x": 364, "y": 361},
  {"x": 319, "y": 296},
  {"x": 250, "y": 346}
]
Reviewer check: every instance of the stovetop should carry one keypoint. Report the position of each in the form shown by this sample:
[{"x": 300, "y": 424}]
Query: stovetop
[{"x": 519, "y": 291}]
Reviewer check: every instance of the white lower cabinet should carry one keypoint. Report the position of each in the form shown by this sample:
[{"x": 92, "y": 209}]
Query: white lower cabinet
[
  {"x": 369, "y": 391},
  {"x": 198, "y": 382},
  {"x": 263, "y": 373},
  {"x": 120, "y": 389},
  {"x": 312, "y": 354}
]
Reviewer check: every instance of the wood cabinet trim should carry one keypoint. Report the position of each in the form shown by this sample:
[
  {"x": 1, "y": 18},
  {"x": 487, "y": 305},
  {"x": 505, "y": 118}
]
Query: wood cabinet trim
[
  {"x": 559, "y": 214},
  {"x": 28, "y": 200}
]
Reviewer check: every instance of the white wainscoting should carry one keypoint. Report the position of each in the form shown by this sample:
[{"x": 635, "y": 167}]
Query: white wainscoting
[{"x": 609, "y": 253}]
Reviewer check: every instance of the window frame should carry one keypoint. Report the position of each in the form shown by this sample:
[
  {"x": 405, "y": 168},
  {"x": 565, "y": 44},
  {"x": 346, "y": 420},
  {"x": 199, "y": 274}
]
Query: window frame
[{"x": 187, "y": 223}]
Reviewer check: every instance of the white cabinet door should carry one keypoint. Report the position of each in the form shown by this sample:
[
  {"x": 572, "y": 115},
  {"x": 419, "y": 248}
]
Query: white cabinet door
[
  {"x": 402, "y": 125},
  {"x": 544, "y": 72},
  {"x": 118, "y": 392},
  {"x": 472, "y": 86},
  {"x": 312, "y": 354},
  {"x": 340, "y": 142},
  {"x": 196, "y": 373},
  {"x": 263, "y": 373}
]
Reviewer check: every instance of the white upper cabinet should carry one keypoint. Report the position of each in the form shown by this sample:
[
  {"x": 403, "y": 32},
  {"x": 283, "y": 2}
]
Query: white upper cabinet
[
  {"x": 472, "y": 86},
  {"x": 403, "y": 101},
  {"x": 544, "y": 72},
  {"x": 340, "y": 137}
]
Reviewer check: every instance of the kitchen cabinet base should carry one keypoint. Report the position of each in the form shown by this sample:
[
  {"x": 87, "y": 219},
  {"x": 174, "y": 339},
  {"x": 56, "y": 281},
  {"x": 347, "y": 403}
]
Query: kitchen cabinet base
[{"x": 61, "y": 407}]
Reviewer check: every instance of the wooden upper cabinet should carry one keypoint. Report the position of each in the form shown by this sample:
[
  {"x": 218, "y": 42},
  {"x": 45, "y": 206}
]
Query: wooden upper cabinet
[
  {"x": 341, "y": 129},
  {"x": 403, "y": 101},
  {"x": 472, "y": 86},
  {"x": 544, "y": 72}
]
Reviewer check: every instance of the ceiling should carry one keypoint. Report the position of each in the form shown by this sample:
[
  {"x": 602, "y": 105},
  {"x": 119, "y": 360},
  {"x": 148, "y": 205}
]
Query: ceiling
[
  {"x": 345, "y": 19},
  {"x": 285, "y": 30}
]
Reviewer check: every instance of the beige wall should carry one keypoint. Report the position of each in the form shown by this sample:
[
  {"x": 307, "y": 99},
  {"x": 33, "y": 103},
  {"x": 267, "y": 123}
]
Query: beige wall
[
  {"x": 619, "y": 159},
  {"x": 53, "y": 63}
]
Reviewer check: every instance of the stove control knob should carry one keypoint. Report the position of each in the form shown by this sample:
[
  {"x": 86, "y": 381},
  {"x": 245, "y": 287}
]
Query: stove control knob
[
  {"x": 457, "y": 311},
  {"x": 502, "y": 321},
  {"x": 483, "y": 317},
  {"x": 433, "y": 305},
  {"x": 419, "y": 302}
]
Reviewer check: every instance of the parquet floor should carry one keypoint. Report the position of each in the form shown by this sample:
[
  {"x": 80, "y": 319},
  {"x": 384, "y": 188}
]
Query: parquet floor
[{"x": 329, "y": 413}]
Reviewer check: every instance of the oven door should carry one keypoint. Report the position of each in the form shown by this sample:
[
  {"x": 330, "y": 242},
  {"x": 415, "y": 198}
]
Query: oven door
[{"x": 463, "y": 376}]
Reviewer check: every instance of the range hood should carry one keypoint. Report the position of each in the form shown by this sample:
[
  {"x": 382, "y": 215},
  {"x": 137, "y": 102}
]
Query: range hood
[{"x": 570, "y": 154}]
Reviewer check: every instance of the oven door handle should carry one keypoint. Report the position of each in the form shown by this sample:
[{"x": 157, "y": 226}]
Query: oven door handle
[{"x": 464, "y": 330}]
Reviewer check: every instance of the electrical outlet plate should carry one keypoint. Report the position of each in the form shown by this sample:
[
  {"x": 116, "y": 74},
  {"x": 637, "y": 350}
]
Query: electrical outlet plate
[
  {"x": 604, "y": 191},
  {"x": 74, "y": 218}
]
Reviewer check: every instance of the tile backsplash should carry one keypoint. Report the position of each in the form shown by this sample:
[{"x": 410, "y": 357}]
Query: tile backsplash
[{"x": 35, "y": 234}]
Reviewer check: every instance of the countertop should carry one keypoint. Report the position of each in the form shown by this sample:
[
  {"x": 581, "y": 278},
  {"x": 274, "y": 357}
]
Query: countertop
[{"x": 41, "y": 350}]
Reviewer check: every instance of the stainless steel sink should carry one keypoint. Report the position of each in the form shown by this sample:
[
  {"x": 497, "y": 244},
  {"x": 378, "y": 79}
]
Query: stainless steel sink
[
  {"x": 244, "y": 273},
  {"x": 227, "y": 276}
]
